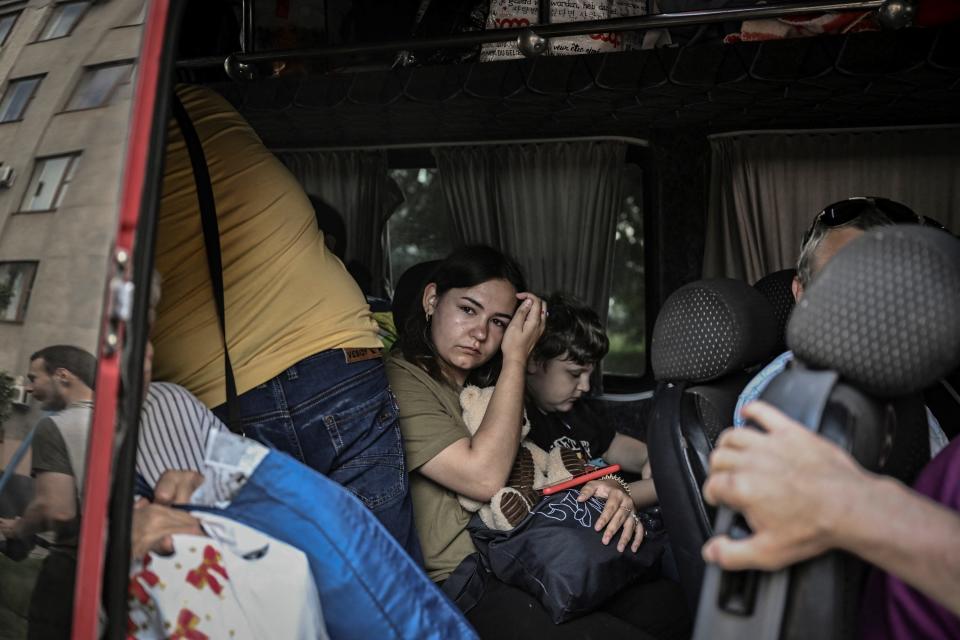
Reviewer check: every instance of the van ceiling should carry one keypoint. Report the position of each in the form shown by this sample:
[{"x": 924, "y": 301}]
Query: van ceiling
[{"x": 910, "y": 77}]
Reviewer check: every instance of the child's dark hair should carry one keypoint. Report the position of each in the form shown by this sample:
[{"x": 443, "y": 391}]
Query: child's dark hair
[
  {"x": 465, "y": 267},
  {"x": 573, "y": 330}
]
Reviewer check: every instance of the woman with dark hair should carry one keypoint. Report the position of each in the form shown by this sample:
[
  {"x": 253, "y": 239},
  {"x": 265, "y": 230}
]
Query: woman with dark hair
[
  {"x": 475, "y": 321},
  {"x": 475, "y": 324}
]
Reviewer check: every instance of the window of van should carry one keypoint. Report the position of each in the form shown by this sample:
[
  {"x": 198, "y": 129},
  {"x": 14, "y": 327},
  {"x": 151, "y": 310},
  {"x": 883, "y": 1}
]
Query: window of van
[
  {"x": 626, "y": 317},
  {"x": 419, "y": 230}
]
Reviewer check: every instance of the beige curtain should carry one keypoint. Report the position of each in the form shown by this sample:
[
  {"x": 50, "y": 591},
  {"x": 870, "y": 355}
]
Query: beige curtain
[
  {"x": 552, "y": 206},
  {"x": 765, "y": 188},
  {"x": 355, "y": 183},
  {"x": 468, "y": 178}
]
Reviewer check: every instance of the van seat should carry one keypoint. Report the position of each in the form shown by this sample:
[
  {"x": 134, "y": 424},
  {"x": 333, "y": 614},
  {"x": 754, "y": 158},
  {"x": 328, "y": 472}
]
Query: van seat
[{"x": 707, "y": 335}]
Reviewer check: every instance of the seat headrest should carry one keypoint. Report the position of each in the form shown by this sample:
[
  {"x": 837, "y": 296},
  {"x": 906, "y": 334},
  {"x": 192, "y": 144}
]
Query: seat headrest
[
  {"x": 885, "y": 311},
  {"x": 777, "y": 288},
  {"x": 710, "y": 328}
]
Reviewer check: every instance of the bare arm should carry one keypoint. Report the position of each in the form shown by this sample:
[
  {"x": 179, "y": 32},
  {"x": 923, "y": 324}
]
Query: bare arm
[
  {"x": 907, "y": 535},
  {"x": 631, "y": 454},
  {"x": 643, "y": 492},
  {"x": 477, "y": 467},
  {"x": 628, "y": 452},
  {"x": 803, "y": 495},
  {"x": 54, "y": 505}
]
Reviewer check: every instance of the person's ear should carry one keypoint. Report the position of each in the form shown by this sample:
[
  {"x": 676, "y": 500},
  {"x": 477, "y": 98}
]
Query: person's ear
[
  {"x": 62, "y": 376},
  {"x": 532, "y": 365},
  {"x": 430, "y": 299},
  {"x": 797, "y": 287}
]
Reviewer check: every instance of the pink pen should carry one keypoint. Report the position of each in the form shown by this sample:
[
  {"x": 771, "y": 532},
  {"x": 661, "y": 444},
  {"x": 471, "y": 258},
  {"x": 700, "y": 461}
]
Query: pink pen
[{"x": 579, "y": 480}]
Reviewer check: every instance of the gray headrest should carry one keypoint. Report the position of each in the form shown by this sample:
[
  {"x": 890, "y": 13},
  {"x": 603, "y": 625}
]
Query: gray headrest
[
  {"x": 777, "y": 288},
  {"x": 885, "y": 312},
  {"x": 710, "y": 328}
]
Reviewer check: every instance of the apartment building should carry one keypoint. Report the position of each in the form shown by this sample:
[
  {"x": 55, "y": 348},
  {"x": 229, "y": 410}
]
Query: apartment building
[{"x": 66, "y": 84}]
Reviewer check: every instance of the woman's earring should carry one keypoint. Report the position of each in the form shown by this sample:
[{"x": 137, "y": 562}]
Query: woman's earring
[{"x": 427, "y": 315}]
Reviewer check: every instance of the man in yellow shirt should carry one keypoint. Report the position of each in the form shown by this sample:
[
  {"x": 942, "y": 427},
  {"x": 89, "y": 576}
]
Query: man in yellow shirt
[{"x": 303, "y": 345}]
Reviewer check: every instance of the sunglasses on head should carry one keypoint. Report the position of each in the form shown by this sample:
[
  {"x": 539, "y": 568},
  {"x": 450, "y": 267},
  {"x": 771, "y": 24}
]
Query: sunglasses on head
[{"x": 846, "y": 211}]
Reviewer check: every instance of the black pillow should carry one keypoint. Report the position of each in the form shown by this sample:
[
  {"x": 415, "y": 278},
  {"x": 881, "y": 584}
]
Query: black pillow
[{"x": 556, "y": 556}]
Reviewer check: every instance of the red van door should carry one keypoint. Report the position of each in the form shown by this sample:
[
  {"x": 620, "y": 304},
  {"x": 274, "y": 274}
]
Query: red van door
[{"x": 81, "y": 129}]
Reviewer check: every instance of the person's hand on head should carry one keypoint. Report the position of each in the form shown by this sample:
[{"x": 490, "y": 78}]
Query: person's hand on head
[
  {"x": 154, "y": 526},
  {"x": 619, "y": 513},
  {"x": 176, "y": 486},
  {"x": 524, "y": 329},
  {"x": 792, "y": 486}
]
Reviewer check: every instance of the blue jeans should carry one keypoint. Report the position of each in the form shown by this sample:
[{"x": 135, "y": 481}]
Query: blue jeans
[{"x": 341, "y": 419}]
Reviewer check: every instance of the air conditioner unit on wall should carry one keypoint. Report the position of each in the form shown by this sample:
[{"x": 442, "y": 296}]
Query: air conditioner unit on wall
[
  {"x": 7, "y": 176},
  {"x": 20, "y": 394}
]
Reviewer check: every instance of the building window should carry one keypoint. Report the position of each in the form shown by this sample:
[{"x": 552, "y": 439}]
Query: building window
[
  {"x": 626, "y": 317},
  {"x": 6, "y": 26},
  {"x": 99, "y": 84},
  {"x": 419, "y": 230},
  {"x": 18, "y": 95},
  {"x": 49, "y": 182},
  {"x": 16, "y": 281},
  {"x": 140, "y": 16},
  {"x": 64, "y": 18}
]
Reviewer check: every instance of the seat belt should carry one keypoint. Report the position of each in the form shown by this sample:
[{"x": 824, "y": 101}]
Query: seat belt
[{"x": 211, "y": 238}]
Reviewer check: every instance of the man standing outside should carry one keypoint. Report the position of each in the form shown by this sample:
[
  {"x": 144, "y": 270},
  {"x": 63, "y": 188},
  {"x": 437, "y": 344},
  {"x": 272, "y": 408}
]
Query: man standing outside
[{"x": 61, "y": 379}]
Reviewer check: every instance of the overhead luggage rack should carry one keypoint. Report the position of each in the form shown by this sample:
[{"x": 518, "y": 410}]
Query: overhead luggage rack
[
  {"x": 896, "y": 13},
  {"x": 902, "y": 78}
]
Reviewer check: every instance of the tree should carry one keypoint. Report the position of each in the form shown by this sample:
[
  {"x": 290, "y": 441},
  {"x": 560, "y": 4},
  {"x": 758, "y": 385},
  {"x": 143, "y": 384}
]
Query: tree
[
  {"x": 6, "y": 295},
  {"x": 420, "y": 229},
  {"x": 626, "y": 319},
  {"x": 6, "y": 395}
]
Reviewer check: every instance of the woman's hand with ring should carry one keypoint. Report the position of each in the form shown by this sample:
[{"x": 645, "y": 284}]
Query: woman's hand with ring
[{"x": 618, "y": 513}]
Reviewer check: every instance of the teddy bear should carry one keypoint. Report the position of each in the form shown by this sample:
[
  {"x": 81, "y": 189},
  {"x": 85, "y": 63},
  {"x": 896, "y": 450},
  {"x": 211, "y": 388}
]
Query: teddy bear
[{"x": 532, "y": 470}]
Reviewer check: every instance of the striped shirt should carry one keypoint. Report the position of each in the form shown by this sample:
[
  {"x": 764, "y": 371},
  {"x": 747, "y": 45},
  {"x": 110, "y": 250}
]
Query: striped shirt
[
  {"x": 174, "y": 426},
  {"x": 938, "y": 439}
]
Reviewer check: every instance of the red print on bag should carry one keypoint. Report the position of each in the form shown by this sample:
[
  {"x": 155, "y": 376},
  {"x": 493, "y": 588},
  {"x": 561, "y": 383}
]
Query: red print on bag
[
  {"x": 135, "y": 589},
  {"x": 500, "y": 23},
  {"x": 186, "y": 629},
  {"x": 202, "y": 575},
  {"x": 612, "y": 38}
]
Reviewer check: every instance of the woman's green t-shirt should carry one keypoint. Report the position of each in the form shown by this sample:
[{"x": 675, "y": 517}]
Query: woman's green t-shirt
[{"x": 430, "y": 419}]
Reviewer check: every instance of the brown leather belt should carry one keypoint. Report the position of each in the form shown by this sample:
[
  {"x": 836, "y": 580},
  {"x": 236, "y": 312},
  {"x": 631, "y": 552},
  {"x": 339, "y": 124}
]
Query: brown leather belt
[{"x": 359, "y": 355}]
